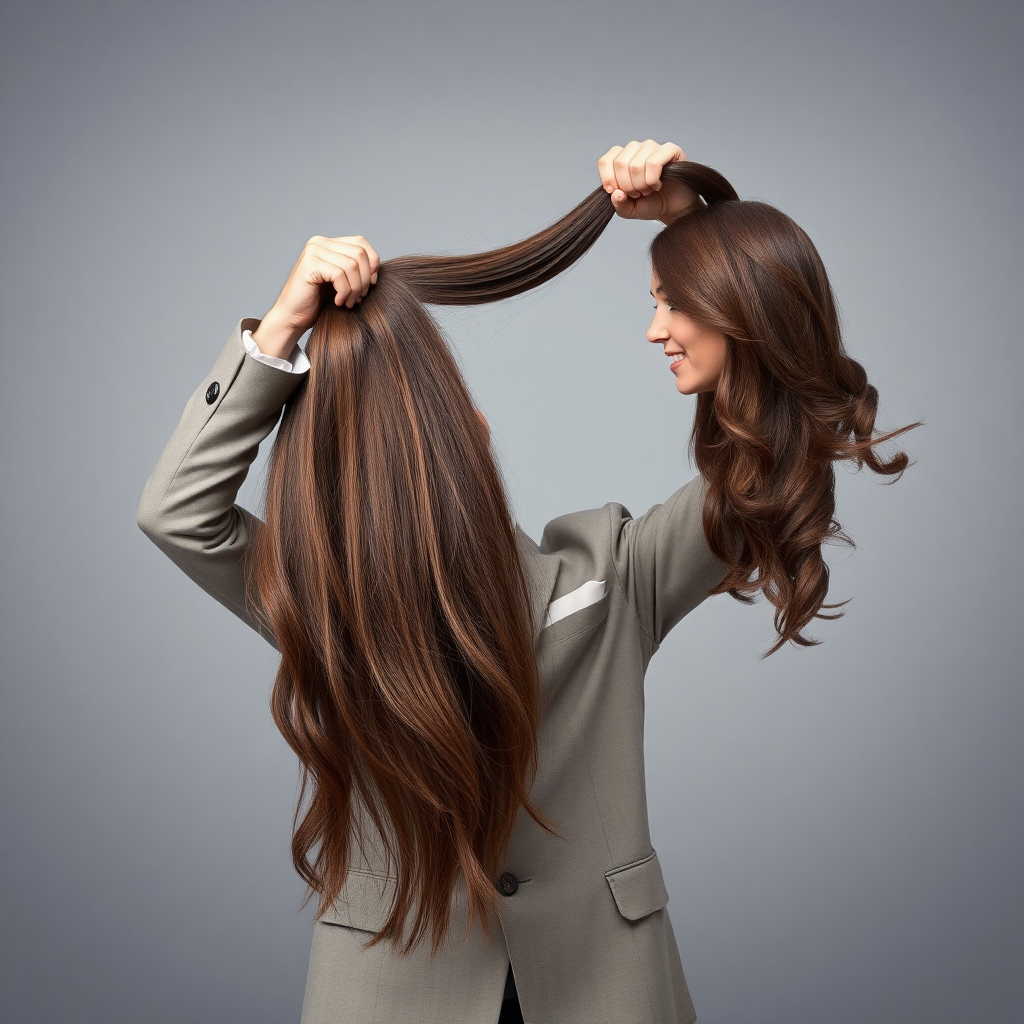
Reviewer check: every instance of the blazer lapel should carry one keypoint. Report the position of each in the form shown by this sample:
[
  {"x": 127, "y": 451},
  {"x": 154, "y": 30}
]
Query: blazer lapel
[{"x": 541, "y": 571}]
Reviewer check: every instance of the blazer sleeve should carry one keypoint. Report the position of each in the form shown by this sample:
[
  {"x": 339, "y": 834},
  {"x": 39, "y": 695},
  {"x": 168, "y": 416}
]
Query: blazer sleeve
[
  {"x": 662, "y": 559},
  {"x": 187, "y": 507}
]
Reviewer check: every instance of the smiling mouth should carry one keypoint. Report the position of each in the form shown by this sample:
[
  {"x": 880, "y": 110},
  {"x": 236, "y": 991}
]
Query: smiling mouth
[{"x": 676, "y": 358}]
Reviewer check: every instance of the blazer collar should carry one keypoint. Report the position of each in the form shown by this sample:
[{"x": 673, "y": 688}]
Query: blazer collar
[{"x": 541, "y": 571}]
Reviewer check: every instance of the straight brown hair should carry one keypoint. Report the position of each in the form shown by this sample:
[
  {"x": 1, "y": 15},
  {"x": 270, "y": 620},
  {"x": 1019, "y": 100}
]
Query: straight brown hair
[{"x": 389, "y": 573}]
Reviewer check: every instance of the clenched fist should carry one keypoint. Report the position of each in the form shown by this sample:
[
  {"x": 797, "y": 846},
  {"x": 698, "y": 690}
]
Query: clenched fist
[
  {"x": 632, "y": 174},
  {"x": 347, "y": 263}
]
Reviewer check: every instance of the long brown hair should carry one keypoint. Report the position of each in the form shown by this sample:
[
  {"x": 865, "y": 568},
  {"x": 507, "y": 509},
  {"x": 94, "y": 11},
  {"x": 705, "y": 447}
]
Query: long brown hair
[
  {"x": 388, "y": 572},
  {"x": 789, "y": 402}
]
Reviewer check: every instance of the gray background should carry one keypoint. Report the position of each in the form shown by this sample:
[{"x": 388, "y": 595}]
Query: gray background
[{"x": 841, "y": 826}]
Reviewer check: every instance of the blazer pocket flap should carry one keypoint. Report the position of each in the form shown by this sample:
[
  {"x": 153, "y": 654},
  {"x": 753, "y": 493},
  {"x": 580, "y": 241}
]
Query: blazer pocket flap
[
  {"x": 365, "y": 901},
  {"x": 638, "y": 888}
]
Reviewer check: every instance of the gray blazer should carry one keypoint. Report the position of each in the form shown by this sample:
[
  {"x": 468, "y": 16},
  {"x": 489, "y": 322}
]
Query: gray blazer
[{"x": 585, "y": 924}]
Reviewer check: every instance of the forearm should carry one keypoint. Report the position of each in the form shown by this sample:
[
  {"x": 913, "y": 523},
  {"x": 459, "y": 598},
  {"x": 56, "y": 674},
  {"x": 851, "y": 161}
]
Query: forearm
[{"x": 275, "y": 337}]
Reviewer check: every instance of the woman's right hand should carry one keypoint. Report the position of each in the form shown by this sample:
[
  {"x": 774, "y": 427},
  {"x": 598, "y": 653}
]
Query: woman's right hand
[
  {"x": 632, "y": 174},
  {"x": 347, "y": 264}
]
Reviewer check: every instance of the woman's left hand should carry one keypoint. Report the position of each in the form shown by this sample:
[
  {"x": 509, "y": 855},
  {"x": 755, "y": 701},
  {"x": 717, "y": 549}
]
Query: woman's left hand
[{"x": 632, "y": 174}]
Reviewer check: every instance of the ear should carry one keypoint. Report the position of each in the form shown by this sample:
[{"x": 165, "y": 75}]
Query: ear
[{"x": 483, "y": 422}]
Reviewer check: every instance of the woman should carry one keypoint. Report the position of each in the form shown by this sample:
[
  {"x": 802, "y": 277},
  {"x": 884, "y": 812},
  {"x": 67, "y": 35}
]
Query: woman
[{"x": 467, "y": 705}]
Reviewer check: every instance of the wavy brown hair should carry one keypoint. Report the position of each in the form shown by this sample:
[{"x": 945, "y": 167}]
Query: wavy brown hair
[
  {"x": 789, "y": 403},
  {"x": 388, "y": 572}
]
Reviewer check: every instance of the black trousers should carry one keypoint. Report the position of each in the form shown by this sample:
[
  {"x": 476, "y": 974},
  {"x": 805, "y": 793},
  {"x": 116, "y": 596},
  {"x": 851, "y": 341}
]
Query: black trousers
[{"x": 511, "y": 1012}]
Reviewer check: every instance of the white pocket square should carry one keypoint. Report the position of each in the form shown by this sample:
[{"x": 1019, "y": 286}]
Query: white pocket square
[{"x": 590, "y": 593}]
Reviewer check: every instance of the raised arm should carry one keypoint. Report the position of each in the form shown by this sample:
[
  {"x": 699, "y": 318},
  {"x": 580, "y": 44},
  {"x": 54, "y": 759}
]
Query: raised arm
[
  {"x": 187, "y": 507},
  {"x": 662, "y": 559},
  {"x": 188, "y": 504}
]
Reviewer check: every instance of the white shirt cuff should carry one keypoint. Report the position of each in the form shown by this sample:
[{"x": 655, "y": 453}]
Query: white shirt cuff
[{"x": 300, "y": 364}]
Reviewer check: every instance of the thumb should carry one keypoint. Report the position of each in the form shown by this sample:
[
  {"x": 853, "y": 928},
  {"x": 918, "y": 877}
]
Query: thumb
[{"x": 623, "y": 204}]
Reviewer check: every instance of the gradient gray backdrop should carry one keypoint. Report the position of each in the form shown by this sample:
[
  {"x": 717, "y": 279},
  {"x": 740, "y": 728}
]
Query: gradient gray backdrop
[{"x": 840, "y": 826}]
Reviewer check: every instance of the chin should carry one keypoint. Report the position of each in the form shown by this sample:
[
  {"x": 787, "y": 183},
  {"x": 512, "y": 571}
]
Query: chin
[{"x": 690, "y": 387}]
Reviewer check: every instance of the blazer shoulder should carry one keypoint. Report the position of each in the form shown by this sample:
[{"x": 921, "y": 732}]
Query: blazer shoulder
[{"x": 581, "y": 538}]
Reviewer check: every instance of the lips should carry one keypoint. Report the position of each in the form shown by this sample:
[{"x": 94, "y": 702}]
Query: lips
[{"x": 677, "y": 358}]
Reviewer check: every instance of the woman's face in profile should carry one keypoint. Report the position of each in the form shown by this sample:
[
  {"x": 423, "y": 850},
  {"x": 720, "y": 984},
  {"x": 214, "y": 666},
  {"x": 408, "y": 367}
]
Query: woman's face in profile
[{"x": 696, "y": 352}]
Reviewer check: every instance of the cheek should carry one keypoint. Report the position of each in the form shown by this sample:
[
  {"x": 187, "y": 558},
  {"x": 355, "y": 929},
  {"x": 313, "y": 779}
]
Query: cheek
[
  {"x": 709, "y": 362},
  {"x": 715, "y": 354},
  {"x": 722, "y": 353}
]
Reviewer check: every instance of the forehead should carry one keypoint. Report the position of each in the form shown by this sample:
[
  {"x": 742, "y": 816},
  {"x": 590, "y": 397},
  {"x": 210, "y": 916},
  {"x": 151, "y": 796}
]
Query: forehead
[{"x": 655, "y": 283}]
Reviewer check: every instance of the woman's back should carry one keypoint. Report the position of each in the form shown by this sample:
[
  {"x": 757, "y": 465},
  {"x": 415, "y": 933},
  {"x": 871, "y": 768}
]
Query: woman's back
[{"x": 583, "y": 918}]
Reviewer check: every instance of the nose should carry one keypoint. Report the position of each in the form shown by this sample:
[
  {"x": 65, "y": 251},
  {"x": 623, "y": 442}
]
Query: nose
[{"x": 658, "y": 331}]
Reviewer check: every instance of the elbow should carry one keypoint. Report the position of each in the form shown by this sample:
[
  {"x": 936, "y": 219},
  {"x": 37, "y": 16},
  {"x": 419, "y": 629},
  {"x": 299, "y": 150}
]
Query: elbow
[{"x": 149, "y": 516}]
